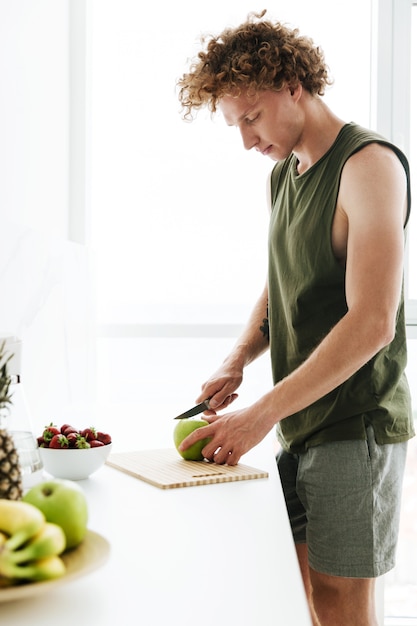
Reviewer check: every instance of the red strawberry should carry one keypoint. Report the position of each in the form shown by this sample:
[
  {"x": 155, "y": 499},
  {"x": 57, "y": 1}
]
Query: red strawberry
[
  {"x": 64, "y": 427},
  {"x": 95, "y": 443},
  {"x": 50, "y": 431},
  {"x": 89, "y": 433},
  {"x": 72, "y": 439},
  {"x": 59, "y": 442},
  {"x": 104, "y": 438},
  {"x": 68, "y": 430},
  {"x": 82, "y": 443},
  {"x": 42, "y": 443}
]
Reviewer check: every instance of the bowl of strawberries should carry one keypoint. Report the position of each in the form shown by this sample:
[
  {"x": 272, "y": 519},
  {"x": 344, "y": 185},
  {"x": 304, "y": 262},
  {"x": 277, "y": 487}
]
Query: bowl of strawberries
[{"x": 72, "y": 453}]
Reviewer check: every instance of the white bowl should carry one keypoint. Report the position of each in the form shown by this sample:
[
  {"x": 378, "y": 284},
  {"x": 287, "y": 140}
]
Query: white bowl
[{"x": 72, "y": 463}]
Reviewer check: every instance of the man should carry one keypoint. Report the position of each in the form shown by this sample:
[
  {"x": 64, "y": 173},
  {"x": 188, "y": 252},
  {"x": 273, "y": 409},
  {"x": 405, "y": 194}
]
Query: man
[{"x": 331, "y": 314}]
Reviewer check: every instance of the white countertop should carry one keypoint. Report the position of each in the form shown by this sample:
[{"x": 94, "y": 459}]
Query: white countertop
[{"x": 213, "y": 554}]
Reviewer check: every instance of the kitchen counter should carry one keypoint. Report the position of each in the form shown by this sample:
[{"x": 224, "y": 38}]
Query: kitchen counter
[{"x": 211, "y": 554}]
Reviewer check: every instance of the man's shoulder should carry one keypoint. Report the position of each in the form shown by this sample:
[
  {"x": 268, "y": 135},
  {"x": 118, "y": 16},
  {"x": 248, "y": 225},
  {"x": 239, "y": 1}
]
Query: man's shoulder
[{"x": 356, "y": 137}]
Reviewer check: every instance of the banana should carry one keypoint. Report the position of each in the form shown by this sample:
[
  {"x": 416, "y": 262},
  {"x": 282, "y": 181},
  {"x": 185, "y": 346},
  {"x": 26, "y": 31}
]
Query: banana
[
  {"x": 44, "y": 569},
  {"x": 20, "y": 520},
  {"x": 49, "y": 541},
  {"x": 29, "y": 545},
  {"x": 50, "y": 567}
]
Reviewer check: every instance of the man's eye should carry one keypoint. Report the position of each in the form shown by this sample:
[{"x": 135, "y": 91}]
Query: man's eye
[{"x": 252, "y": 120}]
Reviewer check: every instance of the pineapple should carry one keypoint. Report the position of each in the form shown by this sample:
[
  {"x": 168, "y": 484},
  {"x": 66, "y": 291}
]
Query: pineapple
[{"x": 10, "y": 473}]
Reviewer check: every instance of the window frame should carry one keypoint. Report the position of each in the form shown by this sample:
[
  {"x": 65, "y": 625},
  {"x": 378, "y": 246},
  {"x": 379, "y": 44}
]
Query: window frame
[{"x": 390, "y": 94}]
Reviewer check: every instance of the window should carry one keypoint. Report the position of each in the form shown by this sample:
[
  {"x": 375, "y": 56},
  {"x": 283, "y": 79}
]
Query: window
[
  {"x": 179, "y": 211},
  {"x": 401, "y": 583},
  {"x": 412, "y": 279}
]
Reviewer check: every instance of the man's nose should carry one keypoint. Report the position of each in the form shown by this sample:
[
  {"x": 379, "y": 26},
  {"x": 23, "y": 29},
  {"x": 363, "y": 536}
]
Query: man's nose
[{"x": 249, "y": 139}]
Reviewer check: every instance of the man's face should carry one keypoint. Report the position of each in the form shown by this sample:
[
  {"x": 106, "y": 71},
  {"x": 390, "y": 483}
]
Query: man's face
[{"x": 271, "y": 123}]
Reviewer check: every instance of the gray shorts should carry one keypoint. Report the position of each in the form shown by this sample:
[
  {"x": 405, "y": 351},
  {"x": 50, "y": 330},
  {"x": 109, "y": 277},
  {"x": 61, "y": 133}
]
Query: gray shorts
[{"x": 343, "y": 500}]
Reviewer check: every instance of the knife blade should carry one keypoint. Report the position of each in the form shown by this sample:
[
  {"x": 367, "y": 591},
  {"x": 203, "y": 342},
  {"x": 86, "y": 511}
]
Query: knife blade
[{"x": 199, "y": 408}]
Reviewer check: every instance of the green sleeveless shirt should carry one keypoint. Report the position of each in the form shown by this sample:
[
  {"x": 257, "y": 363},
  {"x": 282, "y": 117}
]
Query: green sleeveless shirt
[{"x": 307, "y": 298}]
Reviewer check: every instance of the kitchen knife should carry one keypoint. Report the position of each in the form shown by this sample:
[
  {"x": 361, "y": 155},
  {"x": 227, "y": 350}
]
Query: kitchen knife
[{"x": 203, "y": 406}]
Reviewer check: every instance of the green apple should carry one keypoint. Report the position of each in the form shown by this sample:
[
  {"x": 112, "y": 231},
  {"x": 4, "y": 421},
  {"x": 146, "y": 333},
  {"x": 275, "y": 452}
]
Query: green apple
[
  {"x": 63, "y": 502},
  {"x": 183, "y": 428}
]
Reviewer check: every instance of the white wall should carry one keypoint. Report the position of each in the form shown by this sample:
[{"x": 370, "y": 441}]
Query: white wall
[
  {"x": 45, "y": 280},
  {"x": 34, "y": 113}
]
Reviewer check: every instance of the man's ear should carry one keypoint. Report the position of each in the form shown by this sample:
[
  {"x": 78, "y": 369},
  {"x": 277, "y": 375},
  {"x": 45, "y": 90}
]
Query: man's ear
[{"x": 296, "y": 91}]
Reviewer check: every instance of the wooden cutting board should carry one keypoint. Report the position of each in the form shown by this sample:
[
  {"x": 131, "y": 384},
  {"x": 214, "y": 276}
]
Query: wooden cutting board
[{"x": 167, "y": 470}]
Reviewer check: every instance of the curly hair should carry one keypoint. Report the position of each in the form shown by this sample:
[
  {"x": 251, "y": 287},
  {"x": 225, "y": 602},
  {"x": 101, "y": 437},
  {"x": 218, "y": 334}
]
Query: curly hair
[{"x": 257, "y": 55}]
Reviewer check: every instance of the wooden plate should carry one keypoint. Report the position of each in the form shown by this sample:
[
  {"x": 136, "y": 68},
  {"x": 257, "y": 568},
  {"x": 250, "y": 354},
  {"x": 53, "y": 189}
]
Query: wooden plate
[{"x": 91, "y": 554}]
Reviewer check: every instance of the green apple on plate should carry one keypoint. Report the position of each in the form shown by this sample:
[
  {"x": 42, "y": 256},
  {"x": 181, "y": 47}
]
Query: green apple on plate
[
  {"x": 63, "y": 502},
  {"x": 184, "y": 428}
]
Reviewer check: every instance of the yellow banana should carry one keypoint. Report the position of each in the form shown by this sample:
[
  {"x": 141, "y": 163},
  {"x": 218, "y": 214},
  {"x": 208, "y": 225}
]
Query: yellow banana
[
  {"x": 43, "y": 569},
  {"x": 49, "y": 541},
  {"x": 20, "y": 520}
]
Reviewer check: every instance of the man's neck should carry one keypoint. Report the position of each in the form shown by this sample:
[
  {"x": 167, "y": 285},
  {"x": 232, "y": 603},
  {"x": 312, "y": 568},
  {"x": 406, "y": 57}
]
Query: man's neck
[{"x": 321, "y": 128}]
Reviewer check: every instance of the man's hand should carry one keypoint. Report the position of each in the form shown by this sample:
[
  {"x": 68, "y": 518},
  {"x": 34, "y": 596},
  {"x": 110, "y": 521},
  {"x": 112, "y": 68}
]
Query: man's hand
[
  {"x": 232, "y": 435},
  {"x": 221, "y": 386},
  {"x": 215, "y": 407}
]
